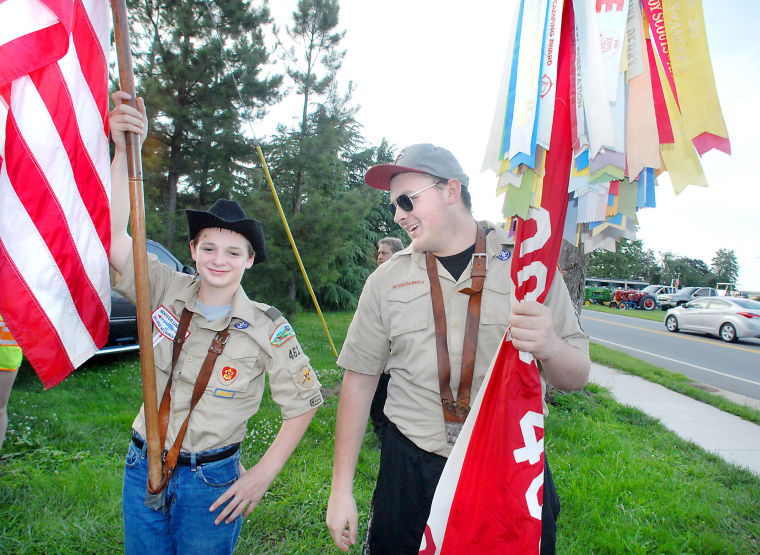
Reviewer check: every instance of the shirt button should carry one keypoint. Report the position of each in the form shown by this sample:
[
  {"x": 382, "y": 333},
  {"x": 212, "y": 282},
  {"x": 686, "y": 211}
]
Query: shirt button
[
  {"x": 457, "y": 325},
  {"x": 458, "y": 359},
  {"x": 189, "y": 359}
]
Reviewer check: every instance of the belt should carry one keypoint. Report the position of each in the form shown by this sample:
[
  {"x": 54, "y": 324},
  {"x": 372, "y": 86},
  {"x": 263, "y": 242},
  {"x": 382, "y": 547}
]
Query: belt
[{"x": 200, "y": 458}]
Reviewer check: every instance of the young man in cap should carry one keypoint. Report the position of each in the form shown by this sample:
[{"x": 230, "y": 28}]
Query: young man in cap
[
  {"x": 223, "y": 339},
  {"x": 393, "y": 331}
]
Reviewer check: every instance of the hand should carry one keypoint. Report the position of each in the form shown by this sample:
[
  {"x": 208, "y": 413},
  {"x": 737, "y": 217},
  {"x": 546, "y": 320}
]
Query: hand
[
  {"x": 125, "y": 118},
  {"x": 243, "y": 495},
  {"x": 342, "y": 520},
  {"x": 532, "y": 329}
]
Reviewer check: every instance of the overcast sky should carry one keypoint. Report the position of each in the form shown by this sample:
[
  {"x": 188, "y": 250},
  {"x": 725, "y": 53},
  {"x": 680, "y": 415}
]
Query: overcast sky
[{"x": 428, "y": 71}]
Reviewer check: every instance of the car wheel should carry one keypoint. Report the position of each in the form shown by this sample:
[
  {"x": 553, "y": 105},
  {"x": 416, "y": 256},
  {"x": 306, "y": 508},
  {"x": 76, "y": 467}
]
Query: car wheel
[
  {"x": 728, "y": 333},
  {"x": 671, "y": 322},
  {"x": 647, "y": 303}
]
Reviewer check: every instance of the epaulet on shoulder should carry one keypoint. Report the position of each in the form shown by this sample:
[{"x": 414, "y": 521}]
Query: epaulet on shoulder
[{"x": 273, "y": 313}]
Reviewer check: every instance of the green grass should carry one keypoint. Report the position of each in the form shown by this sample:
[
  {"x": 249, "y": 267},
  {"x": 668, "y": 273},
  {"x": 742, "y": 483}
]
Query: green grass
[
  {"x": 655, "y": 315},
  {"x": 671, "y": 380},
  {"x": 627, "y": 484}
]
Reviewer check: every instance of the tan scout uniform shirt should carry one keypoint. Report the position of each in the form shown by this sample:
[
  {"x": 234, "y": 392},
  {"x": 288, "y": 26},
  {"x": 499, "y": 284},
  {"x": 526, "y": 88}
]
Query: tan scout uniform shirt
[
  {"x": 256, "y": 344},
  {"x": 393, "y": 331}
]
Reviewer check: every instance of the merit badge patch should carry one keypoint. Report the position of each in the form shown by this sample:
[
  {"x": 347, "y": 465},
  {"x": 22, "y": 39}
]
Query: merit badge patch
[
  {"x": 281, "y": 334},
  {"x": 166, "y": 323},
  {"x": 504, "y": 255},
  {"x": 226, "y": 393},
  {"x": 316, "y": 400},
  {"x": 229, "y": 374},
  {"x": 241, "y": 325},
  {"x": 306, "y": 377}
]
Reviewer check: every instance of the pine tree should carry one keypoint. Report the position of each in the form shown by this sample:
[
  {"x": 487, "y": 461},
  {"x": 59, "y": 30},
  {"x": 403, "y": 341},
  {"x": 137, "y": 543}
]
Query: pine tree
[{"x": 199, "y": 65}]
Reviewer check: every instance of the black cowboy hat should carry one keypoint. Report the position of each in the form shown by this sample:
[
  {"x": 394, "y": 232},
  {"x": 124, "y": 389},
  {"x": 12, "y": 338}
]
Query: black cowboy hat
[{"x": 227, "y": 214}]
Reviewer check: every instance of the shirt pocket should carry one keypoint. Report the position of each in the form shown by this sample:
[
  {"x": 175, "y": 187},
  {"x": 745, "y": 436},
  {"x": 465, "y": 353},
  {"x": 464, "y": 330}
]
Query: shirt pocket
[
  {"x": 234, "y": 370},
  {"x": 162, "y": 353},
  {"x": 409, "y": 310},
  {"x": 495, "y": 305}
]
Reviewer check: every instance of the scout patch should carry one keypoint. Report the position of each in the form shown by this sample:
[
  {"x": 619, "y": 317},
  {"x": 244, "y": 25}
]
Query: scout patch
[
  {"x": 166, "y": 323},
  {"x": 241, "y": 325},
  {"x": 306, "y": 377},
  {"x": 226, "y": 393},
  {"x": 229, "y": 374},
  {"x": 282, "y": 333},
  {"x": 316, "y": 400},
  {"x": 504, "y": 255}
]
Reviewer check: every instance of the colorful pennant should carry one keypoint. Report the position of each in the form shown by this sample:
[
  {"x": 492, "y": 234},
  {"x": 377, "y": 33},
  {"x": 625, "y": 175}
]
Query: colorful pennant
[{"x": 642, "y": 101}]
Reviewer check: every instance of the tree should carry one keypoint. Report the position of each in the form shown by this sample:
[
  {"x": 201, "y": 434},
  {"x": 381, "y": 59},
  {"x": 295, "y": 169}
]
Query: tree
[
  {"x": 331, "y": 228},
  {"x": 629, "y": 261},
  {"x": 314, "y": 68},
  {"x": 725, "y": 266},
  {"x": 688, "y": 272},
  {"x": 573, "y": 263},
  {"x": 199, "y": 67},
  {"x": 312, "y": 62}
]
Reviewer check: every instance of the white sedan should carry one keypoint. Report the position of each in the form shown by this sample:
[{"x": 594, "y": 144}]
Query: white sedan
[{"x": 727, "y": 317}]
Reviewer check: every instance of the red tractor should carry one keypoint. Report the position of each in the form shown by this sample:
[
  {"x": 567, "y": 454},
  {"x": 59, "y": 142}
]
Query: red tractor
[{"x": 633, "y": 298}]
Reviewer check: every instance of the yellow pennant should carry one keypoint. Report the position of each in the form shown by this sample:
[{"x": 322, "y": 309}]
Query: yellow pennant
[
  {"x": 679, "y": 157},
  {"x": 693, "y": 75}
]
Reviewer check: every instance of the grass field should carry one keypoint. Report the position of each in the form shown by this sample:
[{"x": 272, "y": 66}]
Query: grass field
[{"x": 627, "y": 484}]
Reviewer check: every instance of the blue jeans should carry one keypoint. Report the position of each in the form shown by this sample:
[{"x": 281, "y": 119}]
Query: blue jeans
[{"x": 184, "y": 524}]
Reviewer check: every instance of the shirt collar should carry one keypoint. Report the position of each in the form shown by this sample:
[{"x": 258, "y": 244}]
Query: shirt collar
[{"x": 241, "y": 309}]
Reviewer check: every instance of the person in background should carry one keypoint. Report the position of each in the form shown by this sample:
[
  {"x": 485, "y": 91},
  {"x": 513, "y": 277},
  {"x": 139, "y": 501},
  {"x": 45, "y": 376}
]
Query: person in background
[
  {"x": 10, "y": 360},
  {"x": 394, "y": 331},
  {"x": 386, "y": 247}
]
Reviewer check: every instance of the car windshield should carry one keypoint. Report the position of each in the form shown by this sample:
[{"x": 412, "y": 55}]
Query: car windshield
[
  {"x": 651, "y": 289},
  {"x": 686, "y": 291},
  {"x": 747, "y": 303}
]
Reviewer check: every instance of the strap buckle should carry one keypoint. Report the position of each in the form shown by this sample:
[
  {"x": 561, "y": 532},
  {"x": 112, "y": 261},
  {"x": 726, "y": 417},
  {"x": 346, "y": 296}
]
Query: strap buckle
[{"x": 483, "y": 255}]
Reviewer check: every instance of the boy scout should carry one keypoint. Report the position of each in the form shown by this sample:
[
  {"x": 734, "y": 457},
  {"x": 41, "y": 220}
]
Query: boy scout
[
  {"x": 209, "y": 493},
  {"x": 393, "y": 331}
]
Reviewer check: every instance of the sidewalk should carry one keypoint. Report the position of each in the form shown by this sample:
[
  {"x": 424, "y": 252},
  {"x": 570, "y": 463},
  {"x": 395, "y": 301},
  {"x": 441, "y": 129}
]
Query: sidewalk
[{"x": 734, "y": 440}]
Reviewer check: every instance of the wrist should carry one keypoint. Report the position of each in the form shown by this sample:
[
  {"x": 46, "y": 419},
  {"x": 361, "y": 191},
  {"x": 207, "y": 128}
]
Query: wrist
[{"x": 550, "y": 351}]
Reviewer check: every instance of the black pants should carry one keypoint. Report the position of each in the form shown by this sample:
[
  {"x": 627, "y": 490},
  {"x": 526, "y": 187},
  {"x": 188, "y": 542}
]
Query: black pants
[
  {"x": 406, "y": 484},
  {"x": 379, "y": 420}
]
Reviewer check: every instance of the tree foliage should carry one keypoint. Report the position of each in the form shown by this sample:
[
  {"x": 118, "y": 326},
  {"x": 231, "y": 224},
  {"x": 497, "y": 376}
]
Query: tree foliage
[
  {"x": 686, "y": 271},
  {"x": 633, "y": 261},
  {"x": 725, "y": 266},
  {"x": 200, "y": 67},
  {"x": 206, "y": 73},
  {"x": 629, "y": 261}
]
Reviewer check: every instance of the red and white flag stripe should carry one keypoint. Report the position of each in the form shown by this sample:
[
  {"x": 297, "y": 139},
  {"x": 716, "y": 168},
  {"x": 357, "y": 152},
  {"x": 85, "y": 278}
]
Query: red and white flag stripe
[{"x": 55, "y": 180}]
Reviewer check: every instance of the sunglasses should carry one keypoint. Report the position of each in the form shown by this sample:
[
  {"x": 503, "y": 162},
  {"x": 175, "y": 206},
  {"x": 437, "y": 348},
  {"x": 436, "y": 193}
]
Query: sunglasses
[{"x": 405, "y": 201}]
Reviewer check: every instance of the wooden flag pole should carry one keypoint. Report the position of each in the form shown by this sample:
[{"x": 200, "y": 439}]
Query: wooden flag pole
[{"x": 139, "y": 249}]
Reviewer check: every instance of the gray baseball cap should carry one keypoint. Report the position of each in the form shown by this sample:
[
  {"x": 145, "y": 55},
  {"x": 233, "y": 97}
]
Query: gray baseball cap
[{"x": 420, "y": 158}]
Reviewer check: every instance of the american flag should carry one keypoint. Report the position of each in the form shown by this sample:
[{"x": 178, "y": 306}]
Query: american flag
[{"x": 54, "y": 180}]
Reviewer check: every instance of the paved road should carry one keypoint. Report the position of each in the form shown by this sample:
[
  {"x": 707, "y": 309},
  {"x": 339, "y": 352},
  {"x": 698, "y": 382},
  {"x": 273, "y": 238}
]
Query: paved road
[{"x": 734, "y": 367}]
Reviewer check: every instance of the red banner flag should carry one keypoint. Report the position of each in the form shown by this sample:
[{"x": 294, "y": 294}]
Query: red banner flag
[
  {"x": 55, "y": 180},
  {"x": 489, "y": 497}
]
